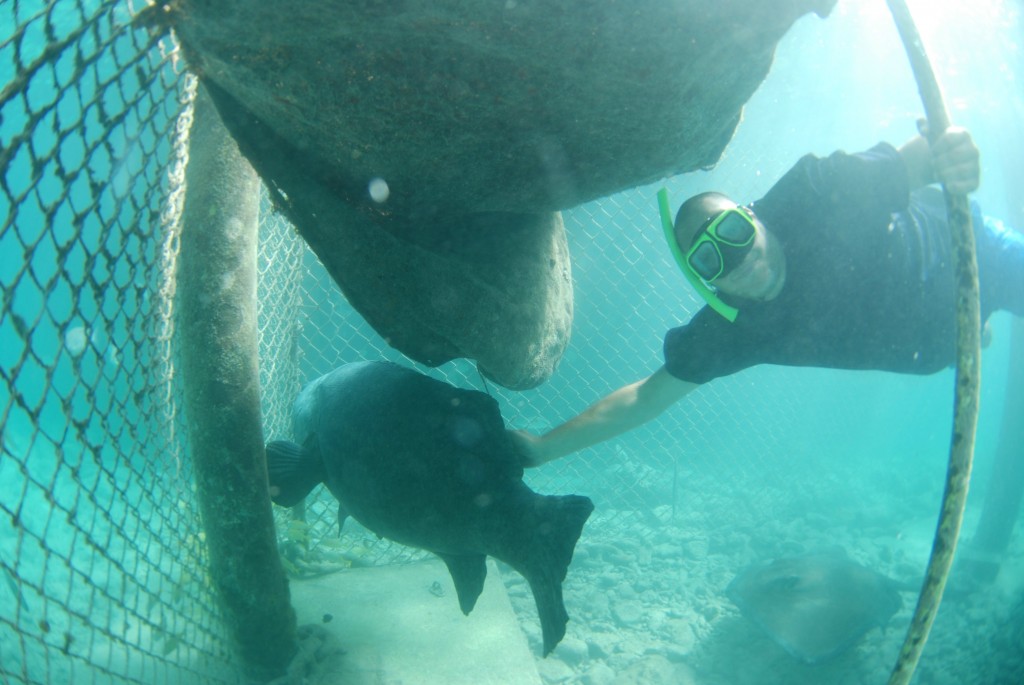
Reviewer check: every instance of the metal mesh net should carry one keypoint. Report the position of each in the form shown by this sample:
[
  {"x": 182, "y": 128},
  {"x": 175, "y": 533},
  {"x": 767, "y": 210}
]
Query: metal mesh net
[
  {"x": 101, "y": 545},
  {"x": 102, "y": 558},
  {"x": 622, "y": 309}
]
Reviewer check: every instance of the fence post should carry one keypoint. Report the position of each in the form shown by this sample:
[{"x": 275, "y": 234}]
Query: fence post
[
  {"x": 217, "y": 326},
  {"x": 1006, "y": 484}
]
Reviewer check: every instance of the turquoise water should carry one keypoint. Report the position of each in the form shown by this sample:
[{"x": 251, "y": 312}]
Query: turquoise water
[
  {"x": 102, "y": 560},
  {"x": 777, "y": 461}
]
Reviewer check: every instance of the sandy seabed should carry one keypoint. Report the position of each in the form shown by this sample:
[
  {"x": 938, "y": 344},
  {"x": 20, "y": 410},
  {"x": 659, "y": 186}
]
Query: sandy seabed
[{"x": 646, "y": 595}]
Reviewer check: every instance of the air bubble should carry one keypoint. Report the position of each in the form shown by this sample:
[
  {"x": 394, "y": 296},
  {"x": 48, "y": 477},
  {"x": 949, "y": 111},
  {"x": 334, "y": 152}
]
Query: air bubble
[
  {"x": 379, "y": 190},
  {"x": 75, "y": 340}
]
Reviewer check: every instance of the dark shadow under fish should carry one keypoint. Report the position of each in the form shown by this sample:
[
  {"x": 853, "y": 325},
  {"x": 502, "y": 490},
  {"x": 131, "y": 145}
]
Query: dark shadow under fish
[
  {"x": 815, "y": 606},
  {"x": 429, "y": 465}
]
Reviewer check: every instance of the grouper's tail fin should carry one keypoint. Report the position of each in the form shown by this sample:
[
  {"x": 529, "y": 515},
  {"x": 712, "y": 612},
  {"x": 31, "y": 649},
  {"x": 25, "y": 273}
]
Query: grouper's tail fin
[
  {"x": 543, "y": 557},
  {"x": 293, "y": 471}
]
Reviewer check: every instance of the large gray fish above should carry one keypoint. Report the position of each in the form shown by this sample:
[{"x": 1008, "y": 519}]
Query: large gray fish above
[{"x": 429, "y": 465}]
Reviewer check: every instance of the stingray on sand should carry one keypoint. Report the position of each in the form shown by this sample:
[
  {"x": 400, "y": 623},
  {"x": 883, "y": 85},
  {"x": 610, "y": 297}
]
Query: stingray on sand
[{"x": 815, "y": 606}]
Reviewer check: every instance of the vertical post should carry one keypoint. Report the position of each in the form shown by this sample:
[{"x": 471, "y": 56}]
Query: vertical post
[
  {"x": 968, "y": 368},
  {"x": 218, "y": 348},
  {"x": 1006, "y": 485}
]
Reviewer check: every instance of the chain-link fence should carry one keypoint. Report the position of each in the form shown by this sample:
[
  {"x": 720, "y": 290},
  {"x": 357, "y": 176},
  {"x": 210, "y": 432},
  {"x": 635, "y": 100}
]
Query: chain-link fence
[
  {"x": 100, "y": 544},
  {"x": 624, "y": 310},
  {"x": 101, "y": 547}
]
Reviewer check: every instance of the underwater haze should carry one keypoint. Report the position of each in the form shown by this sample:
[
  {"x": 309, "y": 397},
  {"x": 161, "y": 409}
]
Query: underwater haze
[
  {"x": 781, "y": 462},
  {"x": 103, "y": 564}
]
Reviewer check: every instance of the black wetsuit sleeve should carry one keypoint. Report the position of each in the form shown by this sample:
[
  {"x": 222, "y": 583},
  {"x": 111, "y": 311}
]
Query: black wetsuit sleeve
[
  {"x": 875, "y": 177},
  {"x": 708, "y": 347},
  {"x": 851, "y": 188}
]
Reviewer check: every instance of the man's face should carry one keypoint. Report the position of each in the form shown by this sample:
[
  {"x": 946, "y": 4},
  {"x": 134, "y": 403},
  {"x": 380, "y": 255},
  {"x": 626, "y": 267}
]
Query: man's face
[{"x": 762, "y": 273}]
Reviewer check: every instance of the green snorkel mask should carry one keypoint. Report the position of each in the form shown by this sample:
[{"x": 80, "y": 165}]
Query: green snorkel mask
[{"x": 702, "y": 288}]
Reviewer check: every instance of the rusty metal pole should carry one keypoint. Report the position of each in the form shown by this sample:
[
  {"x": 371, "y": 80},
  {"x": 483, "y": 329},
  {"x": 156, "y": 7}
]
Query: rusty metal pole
[
  {"x": 216, "y": 307},
  {"x": 968, "y": 368}
]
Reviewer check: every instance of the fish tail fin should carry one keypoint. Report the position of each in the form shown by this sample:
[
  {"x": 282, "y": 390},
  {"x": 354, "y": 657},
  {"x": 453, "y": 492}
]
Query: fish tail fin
[
  {"x": 468, "y": 574},
  {"x": 293, "y": 471},
  {"x": 545, "y": 555}
]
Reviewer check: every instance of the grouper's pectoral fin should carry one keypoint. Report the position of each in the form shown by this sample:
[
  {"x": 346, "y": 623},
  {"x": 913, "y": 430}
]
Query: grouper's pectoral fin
[{"x": 468, "y": 573}]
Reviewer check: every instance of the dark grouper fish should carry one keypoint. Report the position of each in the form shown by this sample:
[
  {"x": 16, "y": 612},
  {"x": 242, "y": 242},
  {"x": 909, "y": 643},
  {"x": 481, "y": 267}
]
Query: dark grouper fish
[{"x": 430, "y": 465}]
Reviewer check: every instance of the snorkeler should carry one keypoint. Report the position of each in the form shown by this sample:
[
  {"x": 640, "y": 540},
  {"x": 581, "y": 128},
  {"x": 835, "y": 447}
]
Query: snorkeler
[{"x": 845, "y": 263}]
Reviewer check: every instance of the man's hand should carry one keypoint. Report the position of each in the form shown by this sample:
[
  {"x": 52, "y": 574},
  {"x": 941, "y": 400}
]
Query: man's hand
[
  {"x": 527, "y": 447},
  {"x": 956, "y": 161}
]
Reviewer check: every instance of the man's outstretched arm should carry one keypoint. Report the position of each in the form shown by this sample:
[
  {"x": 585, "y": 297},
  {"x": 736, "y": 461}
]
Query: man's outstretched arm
[{"x": 622, "y": 410}]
